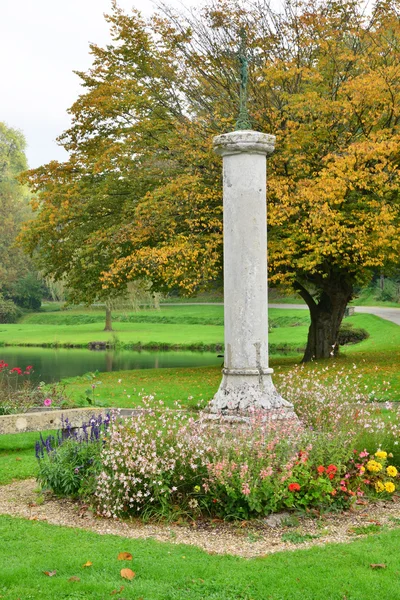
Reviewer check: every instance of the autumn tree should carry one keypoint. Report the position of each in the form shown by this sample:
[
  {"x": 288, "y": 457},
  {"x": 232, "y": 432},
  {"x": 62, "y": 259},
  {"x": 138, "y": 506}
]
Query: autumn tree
[
  {"x": 128, "y": 195},
  {"x": 140, "y": 196}
]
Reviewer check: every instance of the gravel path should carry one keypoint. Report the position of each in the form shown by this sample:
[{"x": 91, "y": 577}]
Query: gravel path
[{"x": 247, "y": 539}]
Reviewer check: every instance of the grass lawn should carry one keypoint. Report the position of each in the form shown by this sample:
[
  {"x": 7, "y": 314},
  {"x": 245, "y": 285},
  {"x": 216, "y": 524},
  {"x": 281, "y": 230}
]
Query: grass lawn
[
  {"x": 188, "y": 314},
  {"x": 186, "y": 385},
  {"x": 199, "y": 326},
  {"x": 378, "y": 357},
  {"x": 177, "y": 572},
  {"x": 127, "y": 334},
  {"x": 17, "y": 456},
  {"x": 166, "y": 571},
  {"x": 377, "y": 360}
]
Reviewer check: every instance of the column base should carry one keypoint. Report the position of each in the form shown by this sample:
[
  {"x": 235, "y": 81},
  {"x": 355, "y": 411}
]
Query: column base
[{"x": 246, "y": 391}]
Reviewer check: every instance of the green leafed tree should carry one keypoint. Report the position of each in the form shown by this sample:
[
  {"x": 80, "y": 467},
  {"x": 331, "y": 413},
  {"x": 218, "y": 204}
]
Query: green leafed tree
[{"x": 18, "y": 280}]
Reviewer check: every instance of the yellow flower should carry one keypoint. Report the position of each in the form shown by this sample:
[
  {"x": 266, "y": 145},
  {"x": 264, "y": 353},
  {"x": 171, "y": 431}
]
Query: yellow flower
[
  {"x": 391, "y": 471},
  {"x": 374, "y": 466},
  {"x": 381, "y": 454},
  {"x": 196, "y": 488},
  {"x": 362, "y": 469},
  {"x": 390, "y": 487},
  {"x": 379, "y": 487}
]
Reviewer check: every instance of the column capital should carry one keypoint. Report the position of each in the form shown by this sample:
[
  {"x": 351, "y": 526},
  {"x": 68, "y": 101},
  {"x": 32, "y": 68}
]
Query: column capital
[{"x": 244, "y": 142}]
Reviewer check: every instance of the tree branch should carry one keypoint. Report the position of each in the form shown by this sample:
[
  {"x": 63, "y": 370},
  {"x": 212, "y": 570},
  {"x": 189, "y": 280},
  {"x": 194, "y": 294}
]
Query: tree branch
[{"x": 305, "y": 294}]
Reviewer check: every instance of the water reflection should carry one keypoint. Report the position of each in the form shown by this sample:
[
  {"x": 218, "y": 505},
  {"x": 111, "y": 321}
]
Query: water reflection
[{"x": 54, "y": 364}]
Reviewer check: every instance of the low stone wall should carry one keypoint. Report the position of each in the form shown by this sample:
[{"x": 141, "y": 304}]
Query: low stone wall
[{"x": 50, "y": 419}]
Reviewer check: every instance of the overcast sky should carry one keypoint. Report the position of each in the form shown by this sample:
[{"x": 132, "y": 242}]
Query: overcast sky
[{"x": 41, "y": 43}]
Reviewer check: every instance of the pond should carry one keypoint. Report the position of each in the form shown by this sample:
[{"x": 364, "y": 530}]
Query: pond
[{"x": 51, "y": 364}]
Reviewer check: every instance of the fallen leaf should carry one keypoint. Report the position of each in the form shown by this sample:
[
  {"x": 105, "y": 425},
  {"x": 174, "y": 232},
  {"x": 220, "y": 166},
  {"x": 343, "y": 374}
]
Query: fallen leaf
[
  {"x": 127, "y": 574},
  {"x": 87, "y": 564},
  {"x": 50, "y": 573},
  {"x": 124, "y": 556},
  {"x": 378, "y": 566},
  {"x": 18, "y": 458},
  {"x": 117, "y": 591},
  {"x": 33, "y": 518},
  {"x": 74, "y": 578},
  {"x": 374, "y": 521}
]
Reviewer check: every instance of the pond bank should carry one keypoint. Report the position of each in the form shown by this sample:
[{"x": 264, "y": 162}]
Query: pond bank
[
  {"x": 54, "y": 364},
  {"x": 109, "y": 345}
]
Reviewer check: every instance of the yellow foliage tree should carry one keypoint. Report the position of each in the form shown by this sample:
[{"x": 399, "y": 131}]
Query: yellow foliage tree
[{"x": 141, "y": 194}]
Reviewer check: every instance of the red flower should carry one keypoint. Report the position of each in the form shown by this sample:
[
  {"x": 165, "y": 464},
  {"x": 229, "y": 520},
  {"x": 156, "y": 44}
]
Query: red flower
[
  {"x": 294, "y": 487},
  {"x": 331, "y": 476},
  {"x": 331, "y": 469},
  {"x": 16, "y": 370},
  {"x": 321, "y": 469}
]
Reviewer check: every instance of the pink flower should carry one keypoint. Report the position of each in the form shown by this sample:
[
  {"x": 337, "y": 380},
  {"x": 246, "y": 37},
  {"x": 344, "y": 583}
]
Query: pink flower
[
  {"x": 47, "y": 402},
  {"x": 265, "y": 472},
  {"x": 246, "y": 489}
]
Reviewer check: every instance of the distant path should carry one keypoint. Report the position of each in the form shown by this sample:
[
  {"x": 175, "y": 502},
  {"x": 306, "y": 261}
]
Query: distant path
[{"x": 390, "y": 314}]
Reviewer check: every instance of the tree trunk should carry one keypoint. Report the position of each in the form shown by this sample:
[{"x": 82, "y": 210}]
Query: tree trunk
[
  {"x": 108, "y": 326},
  {"x": 326, "y": 317}
]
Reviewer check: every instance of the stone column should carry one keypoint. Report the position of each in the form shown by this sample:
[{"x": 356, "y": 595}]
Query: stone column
[{"x": 246, "y": 382}]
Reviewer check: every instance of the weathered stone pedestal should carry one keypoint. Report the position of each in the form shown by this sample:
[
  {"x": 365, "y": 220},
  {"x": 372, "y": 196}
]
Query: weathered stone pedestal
[{"x": 246, "y": 383}]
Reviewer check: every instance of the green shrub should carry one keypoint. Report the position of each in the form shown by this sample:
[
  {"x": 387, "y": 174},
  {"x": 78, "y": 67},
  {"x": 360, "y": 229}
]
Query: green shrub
[
  {"x": 68, "y": 465},
  {"x": 28, "y": 292},
  {"x": 390, "y": 291},
  {"x": 348, "y": 334},
  {"x": 9, "y": 312},
  {"x": 70, "y": 468}
]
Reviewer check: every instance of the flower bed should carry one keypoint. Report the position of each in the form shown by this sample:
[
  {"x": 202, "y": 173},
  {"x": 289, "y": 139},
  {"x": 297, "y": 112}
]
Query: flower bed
[{"x": 164, "y": 462}]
